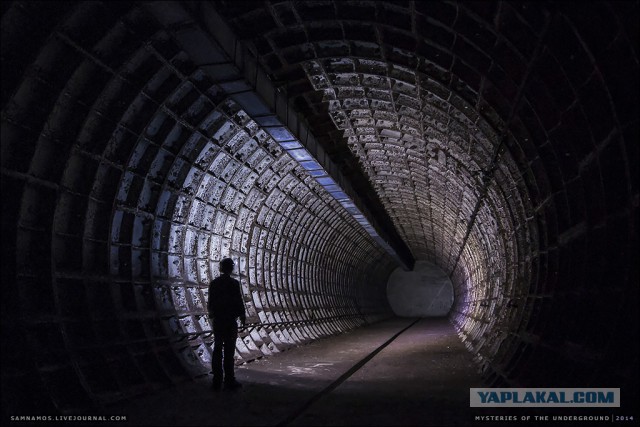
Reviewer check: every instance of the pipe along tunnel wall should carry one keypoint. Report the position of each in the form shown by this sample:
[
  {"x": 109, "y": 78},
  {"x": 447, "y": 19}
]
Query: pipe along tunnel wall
[{"x": 498, "y": 141}]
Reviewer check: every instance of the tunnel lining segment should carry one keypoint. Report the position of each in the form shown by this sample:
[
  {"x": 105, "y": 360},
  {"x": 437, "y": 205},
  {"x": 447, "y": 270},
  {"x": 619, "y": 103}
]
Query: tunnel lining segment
[
  {"x": 144, "y": 201},
  {"x": 250, "y": 87}
]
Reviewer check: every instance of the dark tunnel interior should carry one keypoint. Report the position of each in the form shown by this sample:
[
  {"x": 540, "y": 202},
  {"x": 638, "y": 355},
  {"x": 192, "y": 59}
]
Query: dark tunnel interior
[{"x": 321, "y": 145}]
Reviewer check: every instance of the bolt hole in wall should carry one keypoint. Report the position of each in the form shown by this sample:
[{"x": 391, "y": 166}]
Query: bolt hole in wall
[{"x": 426, "y": 291}]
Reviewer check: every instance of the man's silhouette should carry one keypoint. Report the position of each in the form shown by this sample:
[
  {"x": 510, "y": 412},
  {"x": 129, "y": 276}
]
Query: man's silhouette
[{"x": 225, "y": 306}]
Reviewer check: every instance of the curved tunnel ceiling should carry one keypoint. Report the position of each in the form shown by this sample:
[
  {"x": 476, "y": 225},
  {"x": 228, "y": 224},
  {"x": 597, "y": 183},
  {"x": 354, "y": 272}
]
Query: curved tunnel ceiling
[
  {"x": 499, "y": 138},
  {"x": 494, "y": 139}
]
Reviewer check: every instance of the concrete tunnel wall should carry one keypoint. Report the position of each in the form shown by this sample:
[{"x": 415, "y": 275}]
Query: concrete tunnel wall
[
  {"x": 127, "y": 187},
  {"x": 498, "y": 140}
]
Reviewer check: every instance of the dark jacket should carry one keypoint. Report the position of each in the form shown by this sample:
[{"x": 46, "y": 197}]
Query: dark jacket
[{"x": 225, "y": 299}]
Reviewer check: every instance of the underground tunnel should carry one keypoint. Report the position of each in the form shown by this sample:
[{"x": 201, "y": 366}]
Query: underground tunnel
[{"x": 331, "y": 148}]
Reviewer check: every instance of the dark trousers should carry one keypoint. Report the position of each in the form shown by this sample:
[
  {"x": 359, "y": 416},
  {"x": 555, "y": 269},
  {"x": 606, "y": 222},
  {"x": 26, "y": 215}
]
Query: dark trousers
[{"x": 225, "y": 334}]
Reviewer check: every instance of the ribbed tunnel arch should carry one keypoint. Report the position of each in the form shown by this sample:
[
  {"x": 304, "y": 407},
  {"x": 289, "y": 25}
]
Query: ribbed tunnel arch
[
  {"x": 496, "y": 140},
  {"x": 158, "y": 175},
  {"x": 487, "y": 131}
]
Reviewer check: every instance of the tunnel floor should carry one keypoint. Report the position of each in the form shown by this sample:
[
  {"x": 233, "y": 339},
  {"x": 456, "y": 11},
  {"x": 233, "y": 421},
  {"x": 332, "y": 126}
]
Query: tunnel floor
[{"x": 400, "y": 371}]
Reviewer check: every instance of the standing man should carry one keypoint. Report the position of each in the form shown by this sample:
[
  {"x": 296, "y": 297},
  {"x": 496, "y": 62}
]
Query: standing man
[{"x": 225, "y": 306}]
